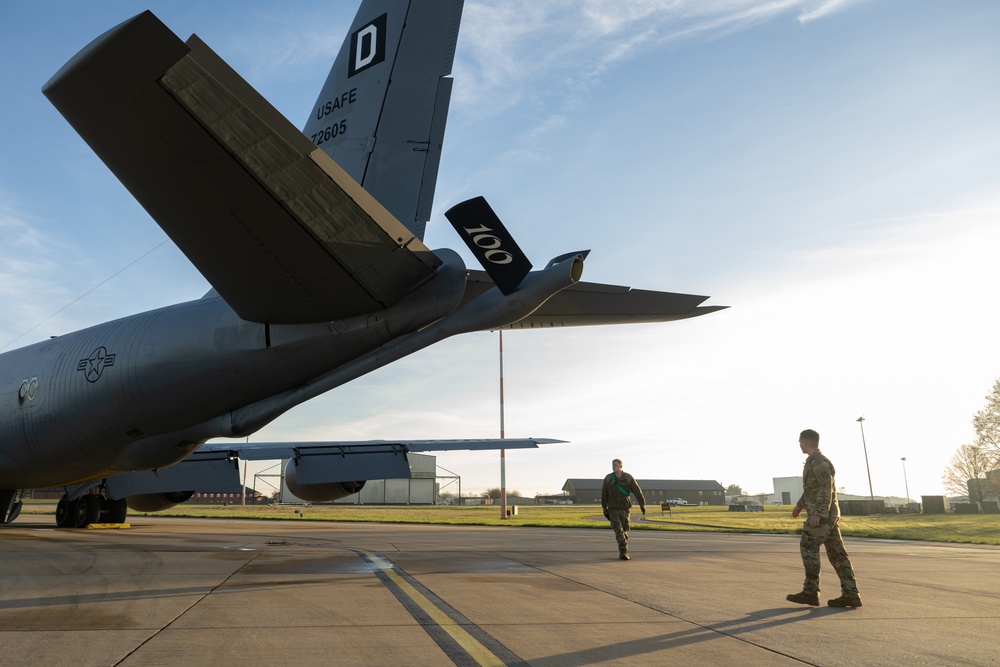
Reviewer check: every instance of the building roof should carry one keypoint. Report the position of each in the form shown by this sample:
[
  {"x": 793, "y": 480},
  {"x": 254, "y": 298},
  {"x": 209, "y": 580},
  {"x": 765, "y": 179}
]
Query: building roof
[{"x": 652, "y": 484}]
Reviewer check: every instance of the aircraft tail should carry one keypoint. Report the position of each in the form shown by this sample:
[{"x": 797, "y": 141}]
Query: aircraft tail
[{"x": 381, "y": 113}]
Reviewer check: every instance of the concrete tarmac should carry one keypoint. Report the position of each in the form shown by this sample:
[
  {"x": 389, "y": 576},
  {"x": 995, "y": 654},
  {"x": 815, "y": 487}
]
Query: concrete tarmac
[{"x": 220, "y": 593}]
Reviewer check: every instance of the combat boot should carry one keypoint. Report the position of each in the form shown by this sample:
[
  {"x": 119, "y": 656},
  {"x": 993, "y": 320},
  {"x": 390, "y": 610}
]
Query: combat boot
[
  {"x": 811, "y": 599},
  {"x": 623, "y": 554},
  {"x": 846, "y": 600}
]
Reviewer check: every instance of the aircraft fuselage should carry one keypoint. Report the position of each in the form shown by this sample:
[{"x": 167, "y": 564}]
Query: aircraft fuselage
[{"x": 144, "y": 391}]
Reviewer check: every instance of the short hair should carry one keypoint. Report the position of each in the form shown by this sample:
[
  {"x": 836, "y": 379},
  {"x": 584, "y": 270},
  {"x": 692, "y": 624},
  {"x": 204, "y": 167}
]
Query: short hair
[
  {"x": 614, "y": 461},
  {"x": 810, "y": 435}
]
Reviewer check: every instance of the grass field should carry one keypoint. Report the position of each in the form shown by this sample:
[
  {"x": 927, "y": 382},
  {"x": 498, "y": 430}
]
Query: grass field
[{"x": 776, "y": 519}]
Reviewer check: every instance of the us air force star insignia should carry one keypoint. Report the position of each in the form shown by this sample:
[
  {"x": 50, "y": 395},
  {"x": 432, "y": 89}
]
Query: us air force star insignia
[{"x": 95, "y": 364}]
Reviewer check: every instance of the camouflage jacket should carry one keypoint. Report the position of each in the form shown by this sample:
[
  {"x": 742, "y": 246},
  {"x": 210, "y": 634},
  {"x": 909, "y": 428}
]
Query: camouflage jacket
[
  {"x": 819, "y": 493},
  {"x": 612, "y": 498}
]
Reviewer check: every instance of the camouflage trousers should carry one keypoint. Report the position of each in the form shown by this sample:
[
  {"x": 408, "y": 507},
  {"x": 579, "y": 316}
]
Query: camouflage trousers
[
  {"x": 619, "y": 521},
  {"x": 827, "y": 534}
]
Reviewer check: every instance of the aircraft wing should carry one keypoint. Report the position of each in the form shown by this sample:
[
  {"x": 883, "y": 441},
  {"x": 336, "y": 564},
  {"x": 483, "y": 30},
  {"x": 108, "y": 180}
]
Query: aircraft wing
[
  {"x": 279, "y": 230},
  {"x": 213, "y": 467},
  {"x": 589, "y": 304},
  {"x": 335, "y": 462},
  {"x": 265, "y": 451}
]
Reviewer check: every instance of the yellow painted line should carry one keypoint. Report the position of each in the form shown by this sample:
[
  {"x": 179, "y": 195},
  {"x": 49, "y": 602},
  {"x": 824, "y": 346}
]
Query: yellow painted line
[
  {"x": 482, "y": 655},
  {"x": 108, "y": 526}
]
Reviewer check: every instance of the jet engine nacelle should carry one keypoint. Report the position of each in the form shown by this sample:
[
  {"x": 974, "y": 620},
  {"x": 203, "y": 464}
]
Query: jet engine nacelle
[
  {"x": 156, "y": 502},
  {"x": 318, "y": 493}
]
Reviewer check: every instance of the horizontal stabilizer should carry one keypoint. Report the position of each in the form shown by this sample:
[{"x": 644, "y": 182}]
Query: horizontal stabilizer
[
  {"x": 591, "y": 304},
  {"x": 279, "y": 230}
]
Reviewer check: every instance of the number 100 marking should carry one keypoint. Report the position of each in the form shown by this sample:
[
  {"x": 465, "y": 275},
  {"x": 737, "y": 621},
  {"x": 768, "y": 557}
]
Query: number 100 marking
[{"x": 490, "y": 243}]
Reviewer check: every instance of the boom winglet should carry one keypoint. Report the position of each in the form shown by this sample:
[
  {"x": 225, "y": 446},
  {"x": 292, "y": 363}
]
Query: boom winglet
[{"x": 485, "y": 235}]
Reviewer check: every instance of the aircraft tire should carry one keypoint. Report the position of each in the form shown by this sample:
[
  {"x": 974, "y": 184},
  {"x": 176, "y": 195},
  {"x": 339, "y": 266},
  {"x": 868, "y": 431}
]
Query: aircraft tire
[
  {"x": 88, "y": 511},
  {"x": 65, "y": 511},
  {"x": 114, "y": 511}
]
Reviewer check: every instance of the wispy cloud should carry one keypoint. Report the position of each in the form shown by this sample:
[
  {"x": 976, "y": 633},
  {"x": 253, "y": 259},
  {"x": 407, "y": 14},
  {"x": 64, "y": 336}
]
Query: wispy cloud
[
  {"x": 824, "y": 8},
  {"x": 48, "y": 286},
  {"x": 25, "y": 265},
  {"x": 276, "y": 44},
  {"x": 542, "y": 61},
  {"x": 506, "y": 45}
]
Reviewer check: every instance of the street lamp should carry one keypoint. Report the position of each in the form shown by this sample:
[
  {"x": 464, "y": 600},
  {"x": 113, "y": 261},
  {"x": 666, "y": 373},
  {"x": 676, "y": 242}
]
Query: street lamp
[
  {"x": 503, "y": 457},
  {"x": 905, "y": 483},
  {"x": 871, "y": 492}
]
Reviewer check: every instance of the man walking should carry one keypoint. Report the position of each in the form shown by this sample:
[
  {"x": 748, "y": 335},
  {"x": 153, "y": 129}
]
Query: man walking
[
  {"x": 616, "y": 501},
  {"x": 819, "y": 500}
]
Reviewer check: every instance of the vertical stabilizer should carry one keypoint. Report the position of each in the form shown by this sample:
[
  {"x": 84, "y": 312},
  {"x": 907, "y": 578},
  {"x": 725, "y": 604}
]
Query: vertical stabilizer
[{"x": 381, "y": 113}]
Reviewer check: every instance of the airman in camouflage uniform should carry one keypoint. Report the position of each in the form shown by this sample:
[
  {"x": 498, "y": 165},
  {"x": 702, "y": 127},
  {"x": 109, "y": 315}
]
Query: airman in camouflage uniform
[
  {"x": 819, "y": 500},
  {"x": 616, "y": 500}
]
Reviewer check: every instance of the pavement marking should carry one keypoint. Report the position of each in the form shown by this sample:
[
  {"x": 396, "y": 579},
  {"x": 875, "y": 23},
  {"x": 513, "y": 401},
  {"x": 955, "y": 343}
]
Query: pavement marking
[{"x": 468, "y": 642}]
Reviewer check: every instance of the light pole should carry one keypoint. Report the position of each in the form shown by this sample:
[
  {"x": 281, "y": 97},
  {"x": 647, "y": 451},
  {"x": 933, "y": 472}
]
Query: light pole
[
  {"x": 871, "y": 492},
  {"x": 905, "y": 483},
  {"x": 503, "y": 458}
]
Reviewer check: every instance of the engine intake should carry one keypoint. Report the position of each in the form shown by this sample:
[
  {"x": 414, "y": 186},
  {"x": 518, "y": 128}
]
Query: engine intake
[
  {"x": 318, "y": 493},
  {"x": 156, "y": 502}
]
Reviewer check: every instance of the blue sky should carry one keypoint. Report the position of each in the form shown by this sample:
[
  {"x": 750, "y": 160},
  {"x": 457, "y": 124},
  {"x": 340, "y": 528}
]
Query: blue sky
[{"x": 828, "y": 169}]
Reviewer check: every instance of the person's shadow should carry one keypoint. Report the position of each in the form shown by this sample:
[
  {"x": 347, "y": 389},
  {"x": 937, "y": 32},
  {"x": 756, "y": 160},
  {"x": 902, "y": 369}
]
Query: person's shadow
[{"x": 732, "y": 629}]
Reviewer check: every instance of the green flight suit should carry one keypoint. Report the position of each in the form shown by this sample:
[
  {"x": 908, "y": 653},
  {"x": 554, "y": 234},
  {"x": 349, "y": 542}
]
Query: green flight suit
[{"x": 616, "y": 500}]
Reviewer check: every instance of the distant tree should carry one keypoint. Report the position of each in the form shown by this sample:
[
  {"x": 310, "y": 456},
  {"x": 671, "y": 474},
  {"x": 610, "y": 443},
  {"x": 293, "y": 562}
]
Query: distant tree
[
  {"x": 971, "y": 462},
  {"x": 987, "y": 421},
  {"x": 762, "y": 498},
  {"x": 495, "y": 493},
  {"x": 734, "y": 490}
]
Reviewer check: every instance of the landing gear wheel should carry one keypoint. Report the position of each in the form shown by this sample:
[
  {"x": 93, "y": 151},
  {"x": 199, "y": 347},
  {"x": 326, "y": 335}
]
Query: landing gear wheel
[
  {"x": 65, "y": 511},
  {"x": 88, "y": 511},
  {"x": 114, "y": 511}
]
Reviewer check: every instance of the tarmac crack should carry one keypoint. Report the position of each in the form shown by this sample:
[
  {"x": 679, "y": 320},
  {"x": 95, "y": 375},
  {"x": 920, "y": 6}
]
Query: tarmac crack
[{"x": 189, "y": 608}]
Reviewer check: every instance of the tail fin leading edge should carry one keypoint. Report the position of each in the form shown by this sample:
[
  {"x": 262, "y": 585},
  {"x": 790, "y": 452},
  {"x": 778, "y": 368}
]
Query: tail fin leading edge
[{"x": 381, "y": 113}]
